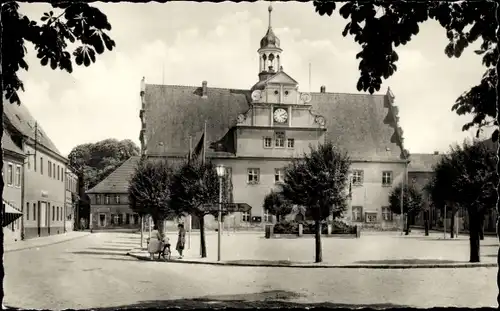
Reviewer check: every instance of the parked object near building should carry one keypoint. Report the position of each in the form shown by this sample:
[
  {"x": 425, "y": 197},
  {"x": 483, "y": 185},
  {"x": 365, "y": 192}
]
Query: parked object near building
[{"x": 43, "y": 191}]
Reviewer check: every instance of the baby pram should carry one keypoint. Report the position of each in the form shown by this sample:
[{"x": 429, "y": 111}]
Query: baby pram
[{"x": 160, "y": 247}]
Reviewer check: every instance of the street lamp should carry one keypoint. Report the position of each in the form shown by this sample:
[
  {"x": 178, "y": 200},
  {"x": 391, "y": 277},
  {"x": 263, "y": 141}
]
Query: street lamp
[{"x": 220, "y": 173}]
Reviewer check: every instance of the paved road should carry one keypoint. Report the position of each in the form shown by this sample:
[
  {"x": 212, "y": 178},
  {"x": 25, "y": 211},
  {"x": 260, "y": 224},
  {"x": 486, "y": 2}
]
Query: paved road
[{"x": 93, "y": 272}]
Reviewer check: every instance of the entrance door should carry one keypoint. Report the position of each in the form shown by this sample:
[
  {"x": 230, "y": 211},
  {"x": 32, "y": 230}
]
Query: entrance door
[
  {"x": 42, "y": 216},
  {"x": 102, "y": 220}
]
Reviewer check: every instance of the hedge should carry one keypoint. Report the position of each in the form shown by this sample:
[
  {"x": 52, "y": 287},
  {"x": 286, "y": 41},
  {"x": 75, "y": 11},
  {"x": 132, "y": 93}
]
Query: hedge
[{"x": 292, "y": 227}]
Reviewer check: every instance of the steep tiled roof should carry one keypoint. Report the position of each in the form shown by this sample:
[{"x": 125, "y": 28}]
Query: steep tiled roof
[
  {"x": 8, "y": 144},
  {"x": 360, "y": 123},
  {"x": 173, "y": 113},
  {"x": 423, "y": 162},
  {"x": 117, "y": 181},
  {"x": 22, "y": 120}
]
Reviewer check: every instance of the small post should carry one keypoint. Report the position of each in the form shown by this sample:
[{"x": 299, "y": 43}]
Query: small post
[
  {"x": 189, "y": 232},
  {"x": 444, "y": 222}
]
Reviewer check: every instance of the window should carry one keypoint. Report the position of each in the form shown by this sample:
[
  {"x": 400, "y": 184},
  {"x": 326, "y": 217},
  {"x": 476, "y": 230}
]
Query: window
[
  {"x": 34, "y": 163},
  {"x": 57, "y": 213},
  {"x": 98, "y": 199},
  {"x": 106, "y": 199},
  {"x": 268, "y": 142},
  {"x": 117, "y": 199},
  {"x": 267, "y": 216},
  {"x": 290, "y": 143},
  {"x": 53, "y": 170},
  {"x": 127, "y": 219},
  {"x": 58, "y": 173},
  {"x": 245, "y": 217},
  {"x": 280, "y": 139},
  {"x": 29, "y": 163},
  {"x": 414, "y": 180},
  {"x": 387, "y": 178},
  {"x": 357, "y": 213},
  {"x": 41, "y": 165},
  {"x": 253, "y": 176},
  {"x": 53, "y": 213},
  {"x": 371, "y": 217},
  {"x": 49, "y": 171},
  {"x": 10, "y": 177},
  {"x": 279, "y": 175},
  {"x": 386, "y": 213},
  {"x": 34, "y": 211},
  {"x": 27, "y": 211},
  {"x": 357, "y": 177},
  {"x": 18, "y": 176}
]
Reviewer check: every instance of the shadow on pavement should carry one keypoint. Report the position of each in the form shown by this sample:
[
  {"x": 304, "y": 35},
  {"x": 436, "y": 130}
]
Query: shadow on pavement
[
  {"x": 120, "y": 258},
  {"x": 98, "y": 253},
  {"x": 269, "y": 299},
  {"x": 261, "y": 262},
  {"x": 408, "y": 261},
  {"x": 430, "y": 239},
  {"x": 118, "y": 249}
]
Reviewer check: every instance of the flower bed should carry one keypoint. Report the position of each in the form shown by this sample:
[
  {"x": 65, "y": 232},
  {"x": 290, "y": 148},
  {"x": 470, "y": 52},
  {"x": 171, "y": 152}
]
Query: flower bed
[{"x": 292, "y": 228}]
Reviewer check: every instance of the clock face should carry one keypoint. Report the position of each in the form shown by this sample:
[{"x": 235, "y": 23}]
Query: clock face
[{"x": 280, "y": 115}]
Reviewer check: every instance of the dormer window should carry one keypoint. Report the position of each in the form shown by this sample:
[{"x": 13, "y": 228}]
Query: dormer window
[
  {"x": 286, "y": 93},
  {"x": 276, "y": 92}
]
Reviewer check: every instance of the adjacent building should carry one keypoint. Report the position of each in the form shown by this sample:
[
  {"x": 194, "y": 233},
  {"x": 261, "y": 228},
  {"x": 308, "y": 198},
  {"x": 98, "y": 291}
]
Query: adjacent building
[
  {"x": 13, "y": 159},
  {"x": 253, "y": 132},
  {"x": 71, "y": 200},
  {"x": 43, "y": 171},
  {"x": 109, "y": 206}
]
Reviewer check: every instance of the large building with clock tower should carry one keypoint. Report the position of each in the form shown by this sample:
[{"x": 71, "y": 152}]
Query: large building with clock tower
[{"x": 254, "y": 132}]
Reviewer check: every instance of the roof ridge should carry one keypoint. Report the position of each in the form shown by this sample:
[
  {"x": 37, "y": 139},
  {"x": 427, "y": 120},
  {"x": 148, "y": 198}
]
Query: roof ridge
[
  {"x": 346, "y": 93},
  {"x": 192, "y": 86}
]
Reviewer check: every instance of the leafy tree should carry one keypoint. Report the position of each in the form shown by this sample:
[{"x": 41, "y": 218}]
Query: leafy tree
[
  {"x": 466, "y": 177},
  {"x": 276, "y": 205},
  {"x": 379, "y": 27},
  {"x": 318, "y": 181},
  {"x": 73, "y": 22},
  {"x": 95, "y": 161},
  {"x": 412, "y": 202},
  {"x": 195, "y": 191},
  {"x": 149, "y": 191}
]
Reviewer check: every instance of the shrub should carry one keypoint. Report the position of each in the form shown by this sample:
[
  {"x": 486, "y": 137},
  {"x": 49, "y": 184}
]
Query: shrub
[{"x": 292, "y": 227}]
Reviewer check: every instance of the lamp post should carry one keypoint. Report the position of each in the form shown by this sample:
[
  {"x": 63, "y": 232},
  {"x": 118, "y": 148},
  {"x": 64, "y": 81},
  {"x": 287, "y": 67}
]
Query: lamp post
[{"x": 220, "y": 173}]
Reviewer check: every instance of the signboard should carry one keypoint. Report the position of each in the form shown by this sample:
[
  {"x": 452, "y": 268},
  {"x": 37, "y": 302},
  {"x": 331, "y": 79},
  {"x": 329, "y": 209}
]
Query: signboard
[{"x": 230, "y": 207}]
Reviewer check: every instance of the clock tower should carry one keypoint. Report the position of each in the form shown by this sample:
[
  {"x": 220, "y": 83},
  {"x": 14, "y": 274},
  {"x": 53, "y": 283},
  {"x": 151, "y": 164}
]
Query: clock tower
[{"x": 280, "y": 121}]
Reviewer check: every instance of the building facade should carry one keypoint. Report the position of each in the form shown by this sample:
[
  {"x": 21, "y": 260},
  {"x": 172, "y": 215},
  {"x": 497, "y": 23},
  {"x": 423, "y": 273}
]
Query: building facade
[
  {"x": 109, "y": 207},
  {"x": 71, "y": 200},
  {"x": 43, "y": 198},
  {"x": 254, "y": 133},
  {"x": 13, "y": 159}
]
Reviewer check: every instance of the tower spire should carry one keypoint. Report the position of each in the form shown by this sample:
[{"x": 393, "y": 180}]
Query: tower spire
[{"x": 270, "y": 9}]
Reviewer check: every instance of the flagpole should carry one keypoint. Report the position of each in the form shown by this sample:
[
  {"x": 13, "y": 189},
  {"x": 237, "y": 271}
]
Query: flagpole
[
  {"x": 190, "y": 217},
  {"x": 204, "y": 142}
]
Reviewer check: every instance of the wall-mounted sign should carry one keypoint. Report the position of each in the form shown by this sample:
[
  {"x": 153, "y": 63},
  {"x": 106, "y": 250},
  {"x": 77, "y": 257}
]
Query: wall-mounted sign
[{"x": 45, "y": 194}]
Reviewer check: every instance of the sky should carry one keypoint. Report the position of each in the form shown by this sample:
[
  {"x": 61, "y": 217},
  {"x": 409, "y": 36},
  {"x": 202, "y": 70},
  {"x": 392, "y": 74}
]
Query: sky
[{"x": 184, "y": 43}]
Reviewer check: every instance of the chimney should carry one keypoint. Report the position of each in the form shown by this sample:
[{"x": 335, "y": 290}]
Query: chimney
[
  {"x": 323, "y": 89},
  {"x": 436, "y": 152},
  {"x": 204, "y": 89}
]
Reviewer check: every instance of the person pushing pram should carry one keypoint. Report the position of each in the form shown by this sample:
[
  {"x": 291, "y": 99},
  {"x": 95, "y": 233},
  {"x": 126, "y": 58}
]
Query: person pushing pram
[{"x": 160, "y": 246}]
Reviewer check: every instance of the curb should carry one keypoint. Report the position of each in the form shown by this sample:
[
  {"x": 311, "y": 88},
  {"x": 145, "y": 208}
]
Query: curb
[
  {"x": 326, "y": 266},
  {"x": 48, "y": 244}
]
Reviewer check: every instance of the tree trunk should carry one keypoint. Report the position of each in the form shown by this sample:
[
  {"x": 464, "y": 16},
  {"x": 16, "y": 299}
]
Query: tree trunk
[
  {"x": 160, "y": 225},
  {"x": 142, "y": 230},
  {"x": 452, "y": 223},
  {"x": 481, "y": 226},
  {"x": 407, "y": 231},
  {"x": 474, "y": 227},
  {"x": 426, "y": 223},
  {"x": 203, "y": 246},
  {"x": 319, "y": 255}
]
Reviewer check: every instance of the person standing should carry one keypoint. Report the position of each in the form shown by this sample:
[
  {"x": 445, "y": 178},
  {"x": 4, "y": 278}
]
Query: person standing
[{"x": 181, "y": 240}]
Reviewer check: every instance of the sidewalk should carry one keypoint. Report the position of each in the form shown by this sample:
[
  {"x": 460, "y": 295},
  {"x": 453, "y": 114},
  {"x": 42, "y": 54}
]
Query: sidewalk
[{"x": 44, "y": 241}]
